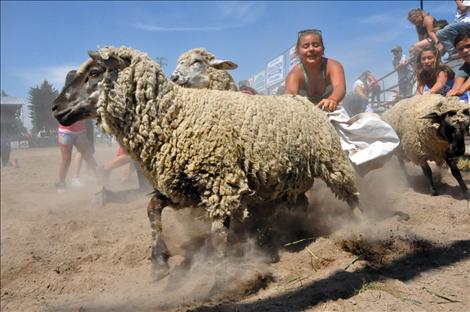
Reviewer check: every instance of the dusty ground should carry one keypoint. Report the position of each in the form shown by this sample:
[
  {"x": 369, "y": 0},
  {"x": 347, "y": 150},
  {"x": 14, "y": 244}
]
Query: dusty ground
[{"x": 59, "y": 253}]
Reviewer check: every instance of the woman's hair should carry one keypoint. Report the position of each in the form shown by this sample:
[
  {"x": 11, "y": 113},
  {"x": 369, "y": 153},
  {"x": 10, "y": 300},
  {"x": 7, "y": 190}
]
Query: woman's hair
[
  {"x": 308, "y": 32},
  {"x": 415, "y": 12},
  {"x": 429, "y": 77}
]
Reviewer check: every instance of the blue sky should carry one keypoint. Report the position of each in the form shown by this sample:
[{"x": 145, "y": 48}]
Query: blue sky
[{"x": 44, "y": 39}]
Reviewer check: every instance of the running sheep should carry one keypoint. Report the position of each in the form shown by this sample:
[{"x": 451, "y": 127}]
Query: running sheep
[
  {"x": 200, "y": 69},
  {"x": 431, "y": 128},
  {"x": 223, "y": 151}
]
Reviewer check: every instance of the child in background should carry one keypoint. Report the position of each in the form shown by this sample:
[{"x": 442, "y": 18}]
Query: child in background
[
  {"x": 462, "y": 77},
  {"x": 425, "y": 28},
  {"x": 439, "y": 78},
  {"x": 404, "y": 72},
  {"x": 70, "y": 136},
  {"x": 461, "y": 25}
]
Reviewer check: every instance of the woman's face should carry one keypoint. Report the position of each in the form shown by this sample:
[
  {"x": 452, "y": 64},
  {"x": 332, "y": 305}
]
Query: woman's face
[
  {"x": 416, "y": 19},
  {"x": 310, "y": 48},
  {"x": 428, "y": 60}
]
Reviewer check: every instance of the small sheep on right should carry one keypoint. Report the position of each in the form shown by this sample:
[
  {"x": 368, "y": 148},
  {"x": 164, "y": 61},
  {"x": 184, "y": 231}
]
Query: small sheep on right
[{"x": 431, "y": 128}]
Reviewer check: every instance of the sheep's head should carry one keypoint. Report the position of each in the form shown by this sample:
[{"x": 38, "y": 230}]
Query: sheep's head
[
  {"x": 79, "y": 97},
  {"x": 194, "y": 66},
  {"x": 452, "y": 126}
]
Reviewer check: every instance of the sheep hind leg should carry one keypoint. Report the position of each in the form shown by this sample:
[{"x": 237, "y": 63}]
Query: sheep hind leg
[
  {"x": 160, "y": 253},
  {"x": 458, "y": 176},
  {"x": 428, "y": 174},
  {"x": 219, "y": 235}
]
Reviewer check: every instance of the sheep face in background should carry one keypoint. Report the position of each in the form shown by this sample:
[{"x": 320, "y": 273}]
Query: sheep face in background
[
  {"x": 431, "y": 128},
  {"x": 200, "y": 69},
  {"x": 452, "y": 127}
]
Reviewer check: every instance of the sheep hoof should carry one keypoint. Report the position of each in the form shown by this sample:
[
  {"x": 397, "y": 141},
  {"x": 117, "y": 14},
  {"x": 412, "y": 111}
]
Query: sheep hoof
[
  {"x": 434, "y": 192},
  {"x": 159, "y": 271},
  {"x": 359, "y": 215},
  {"x": 402, "y": 216},
  {"x": 466, "y": 195},
  {"x": 160, "y": 266}
]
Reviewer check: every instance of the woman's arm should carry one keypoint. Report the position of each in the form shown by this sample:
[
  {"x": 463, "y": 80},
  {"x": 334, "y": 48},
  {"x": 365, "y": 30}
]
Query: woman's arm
[
  {"x": 440, "y": 82},
  {"x": 428, "y": 23},
  {"x": 420, "y": 88},
  {"x": 335, "y": 73},
  {"x": 456, "y": 89},
  {"x": 465, "y": 87},
  {"x": 293, "y": 81}
]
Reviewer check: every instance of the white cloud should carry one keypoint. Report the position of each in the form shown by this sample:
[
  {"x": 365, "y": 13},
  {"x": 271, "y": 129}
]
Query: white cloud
[
  {"x": 241, "y": 11},
  {"x": 53, "y": 74},
  {"x": 148, "y": 27},
  {"x": 232, "y": 15},
  {"x": 378, "y": 19}
]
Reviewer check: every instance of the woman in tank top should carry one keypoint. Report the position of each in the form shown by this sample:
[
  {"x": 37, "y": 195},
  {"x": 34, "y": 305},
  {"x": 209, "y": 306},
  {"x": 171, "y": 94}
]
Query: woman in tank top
[
  {"x": 430, "y": 73},
  {"x": 425, "y": 28},
  {"x": 319, "y": 78},
  {"x": 322, "y": 81}
]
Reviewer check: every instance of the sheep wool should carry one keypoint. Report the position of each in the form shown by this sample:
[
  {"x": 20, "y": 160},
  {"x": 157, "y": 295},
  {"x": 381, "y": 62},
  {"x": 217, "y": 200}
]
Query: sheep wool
[
  {"x": 419, "y": 138},
  {"x": 218, "y": 79},
  {"x": 221, "y": 150}
]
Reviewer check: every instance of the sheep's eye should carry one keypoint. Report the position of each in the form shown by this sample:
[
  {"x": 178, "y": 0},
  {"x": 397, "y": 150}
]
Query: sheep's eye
[
  {"x": 94, "y": 73},
  {"x": 196, "y": 62}
]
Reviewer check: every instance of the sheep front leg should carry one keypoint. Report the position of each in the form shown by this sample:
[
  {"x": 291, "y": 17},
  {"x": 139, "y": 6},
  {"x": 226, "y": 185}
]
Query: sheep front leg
[
  {"x": 160, "y": 252},
  {"x": 428, "y": 173},
  {"x": 456, "y": 173},
  {"x": 219, "y": 235}
]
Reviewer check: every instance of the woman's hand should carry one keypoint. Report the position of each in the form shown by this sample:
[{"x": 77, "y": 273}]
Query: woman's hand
[
  {"x": 454, "y": 92},
  {"x": 328, "y": 104}
]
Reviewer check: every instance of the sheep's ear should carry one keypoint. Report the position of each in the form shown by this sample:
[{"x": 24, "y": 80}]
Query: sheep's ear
[
  {"x": 112, "y": 62},
  {"x": 435, "y": 117},
  {"x": 222, "y": 64}
]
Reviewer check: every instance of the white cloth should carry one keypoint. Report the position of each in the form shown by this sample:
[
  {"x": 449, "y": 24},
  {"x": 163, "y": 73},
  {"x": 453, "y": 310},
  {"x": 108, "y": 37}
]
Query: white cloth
[
  {"x": 463, "y": 16},
  {"x": 358, "y": 83},
  {"x": 366, "y": 138}
]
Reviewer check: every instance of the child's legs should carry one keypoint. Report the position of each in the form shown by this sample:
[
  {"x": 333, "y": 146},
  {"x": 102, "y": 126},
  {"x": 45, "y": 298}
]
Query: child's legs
[
  {"x": 77, "y": 165},
  {"x": 117, "y": 162},
  {"x": 423, "y": 43},
  {"x": 448, "y": 34},
  {"x": 84, "y": 147},
  {"x": 66, "y": 145}
]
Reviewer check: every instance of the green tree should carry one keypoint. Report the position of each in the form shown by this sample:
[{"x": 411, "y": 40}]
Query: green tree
[
  {"x": 4, "y": 93},
  {"x": 40, "y": 109}
]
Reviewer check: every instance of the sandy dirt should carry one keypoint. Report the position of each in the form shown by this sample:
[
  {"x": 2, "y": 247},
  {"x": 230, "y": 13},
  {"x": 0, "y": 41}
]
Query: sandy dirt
[{"x": 61, "y": 253}]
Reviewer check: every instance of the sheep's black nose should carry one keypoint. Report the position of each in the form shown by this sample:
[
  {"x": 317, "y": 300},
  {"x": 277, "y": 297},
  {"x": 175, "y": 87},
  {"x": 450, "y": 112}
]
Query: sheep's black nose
[{"x": 174, "y": 78}]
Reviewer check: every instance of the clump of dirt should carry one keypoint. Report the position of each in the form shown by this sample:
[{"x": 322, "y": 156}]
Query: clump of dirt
[{"x": 384, "y": 251}]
